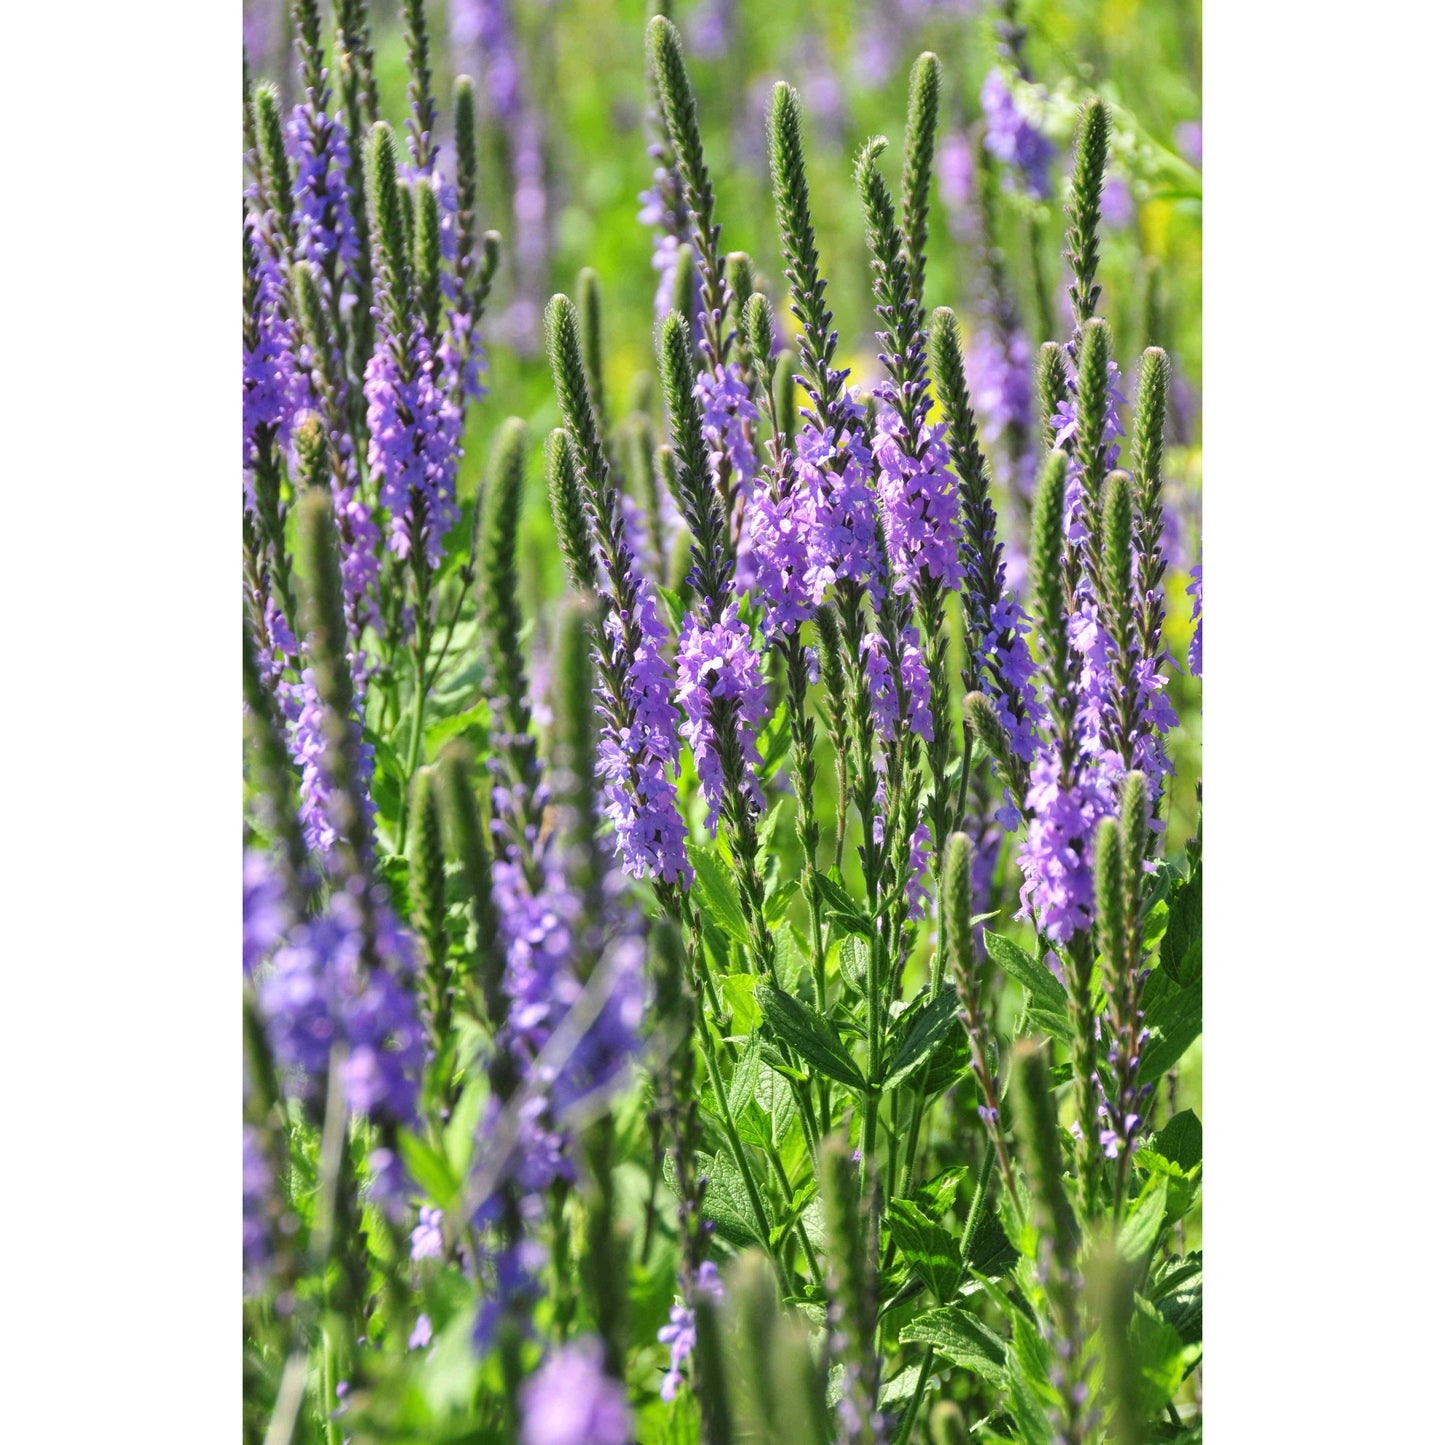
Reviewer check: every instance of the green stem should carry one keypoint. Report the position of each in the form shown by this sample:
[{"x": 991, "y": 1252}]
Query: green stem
[
  {"x": 905, "y": 1429},
  {"x": 735, "y": 1146}
]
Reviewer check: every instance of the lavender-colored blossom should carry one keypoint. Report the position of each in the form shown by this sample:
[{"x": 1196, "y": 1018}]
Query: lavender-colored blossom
[
  {"x": 1000, "y": 370},
  {"x": 883, "y": 693},
  {"x": 420, "y": 1336},
  {"x": 638, "y": 757},
  {"x": 255, "y": 1188},
  {"x": 426, "y": 1238},
  {"x": 1196, "y": 616},
  {"x": 1189, "y": 141},
  {"x": 1003, "y": 657},
  {"x": 955, "y": 182},
  {"x": 718, "y": 664},
  {"x": 1116, "y": 204},
  {"x": 415, "y": 446},
  {"x": 711, "y": 28},
  {"x": 1065, "y": 422},
  {"x": 679, "y": 1334},
  {"x": 307, "y": 739},
  {"x": 1057, "y": 855},
  {"x": 325, "y": 229},
  {"x": 274, "y": 387},
  {"x": 782, "y": 532},
  {"x": 265, "y": 914},
  {"x": 843, "y": 545},
  {"x": 321, "y": 989},
  {"x": 918, "y": 501},
  {"x": 571, "y": 1400},
  {"x": 727, "y": 412},
  {"x": 1013, "y": 138}
]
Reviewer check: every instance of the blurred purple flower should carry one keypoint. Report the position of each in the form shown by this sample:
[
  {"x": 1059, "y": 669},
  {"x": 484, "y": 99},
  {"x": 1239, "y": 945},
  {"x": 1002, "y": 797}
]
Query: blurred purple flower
[{"x": 570, "y": 1400}]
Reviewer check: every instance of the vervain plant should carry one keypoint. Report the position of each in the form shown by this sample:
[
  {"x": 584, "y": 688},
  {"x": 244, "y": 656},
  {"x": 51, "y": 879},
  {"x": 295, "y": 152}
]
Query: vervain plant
[{"x": 638, "y": 1042}]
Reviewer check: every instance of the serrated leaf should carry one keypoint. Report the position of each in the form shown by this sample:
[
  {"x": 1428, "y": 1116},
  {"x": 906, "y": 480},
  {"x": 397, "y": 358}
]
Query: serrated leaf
[
  {"x": 937, "y": 1196},
  {"x": 808, "y": 1034},
  {"x": 1158, "y": 1356},
  {"x": 961, "y": 1338},
  {"x": 1181, "y": 952},
  {"x": 1140, "y": 1230},
  {"x": 737, "y": 992},
  {"x": 853, "y": 960},
  {"x": 788, "y": 956},
  {"x": 717, "y": 891},
  {"x": 839, "y": 905},
  {"x": 1181, "y": 1139},
  {"x": 1174, "y": 1021},
  {"x": 775, "y": 905},
  {"x": 1178, "y": 1292},
  {"x": 1046, "y": 990},
  {"x": 922, "y": 1029},
  {"x": 900, "y": 1388},
  {"x": 744, "y": 1082},
  {"x": 931, "y": 1251}
]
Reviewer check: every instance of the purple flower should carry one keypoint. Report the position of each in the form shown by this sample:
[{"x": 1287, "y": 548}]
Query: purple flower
[
  {"x": 570, "y": 1400},
  {"x": 781, "y": 530},
  {"x": 1065, "y": 422},
  {"x": 727, "y": 412},
  {"x": 1057, "y": 855},
  {"x": 325, "y": 232},
  {"x": 307, "y": 738},
  {"x": 719, "y": 673},
  {"x": 883, "y": 694},
  {"x": 420, "y": 1336},
  {"x": 1196, "y": 615},
  {"x": 426, "y": 1238},
  {"x": 955, "y": 182},
  {"x": 836, "y": 478},
  {"x": 415, "y": 445},
  {"x": 1116, "y": 203},
  {"x": 265, "y": 913},
  {"x": 1189, "y": 141},
  {"x": 1013, "y": 138},
  {"x": 680, "y": 1331},
  {"x": 255, "y": 1187},
  {"x": 1001, "y": 372},
  {"x": 321, "y": 989},
  {"x": 638, "y": 752},
  {"x": 919, "y": 504}
]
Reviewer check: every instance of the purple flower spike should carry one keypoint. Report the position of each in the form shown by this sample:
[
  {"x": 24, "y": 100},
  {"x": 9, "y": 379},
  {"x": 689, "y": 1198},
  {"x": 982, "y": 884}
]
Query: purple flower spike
[
  {"x": 570, "y": 1400},
  {"x": 720, "y": 663},
  {"x": 919, "y": 503}
]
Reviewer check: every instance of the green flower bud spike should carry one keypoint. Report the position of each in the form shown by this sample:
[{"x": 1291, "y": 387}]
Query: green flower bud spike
[
  {"x": 276, "y": 177},
  {"x": 1081, "y": 240},
  {"x": 1051, "y": 380},
  {"x": 850, "y": 1282},
  {"x": 427, "y": 259},
  {"x": 464, "y": 131},
  {"x": 589, "y": 291},
  {"x": 679, "y": 110},
  {"x": 980, "y": 717},
  {"x": 388, "y": 224},
  {"x": 564, "y": 490},
  {"x": 919, "y": 139},
  {"x": 1150, "y": 414}
]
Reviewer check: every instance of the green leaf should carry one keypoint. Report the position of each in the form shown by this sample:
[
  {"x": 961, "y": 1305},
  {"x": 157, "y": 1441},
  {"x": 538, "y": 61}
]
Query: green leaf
[
  {"x": 1146, "y": 1217},
  {"x": 853, "y": 960},
  {"x": 744, "y": 1081},
  {"x": 900, "y": 1388},
  {"x": 838, "y": 904},
  {"x": 1174, "y": 1021},
  {"x": 1181, "y": 1139},
  {"x": 921, "y": 1029},
  {"x": 430, "y": 1169},
  {"x": 1158, "y": 1355},
  {"x": 718, "y": 893},
  {"x": 1178, "y": 1292},
  {"x": 809, "y": 1034},
  {"x": 673, "y": 603},
  {"x": 938, "y": 1195},
  {"x": 961, "y": 1338},
  {"x": 788, "y": 956},
  {"x": 775, "y": 905},
  {"x": 737, "y": 992},
  {"x": 931, "y": 1251},
  {"x": 445, "y": 728},
  {"x": 1048, "y": 1003},
  {"x": 1181, "y": 954}
]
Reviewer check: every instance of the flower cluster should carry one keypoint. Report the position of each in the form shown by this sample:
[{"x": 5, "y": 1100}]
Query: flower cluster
[
  {"x": 638, "y": 759},
  {"x": 1013, "y": 138},
  {"x": 720, "y": 679},
  {"x": 918, "y": 501},
  {"x": 415, "y": 434}
]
